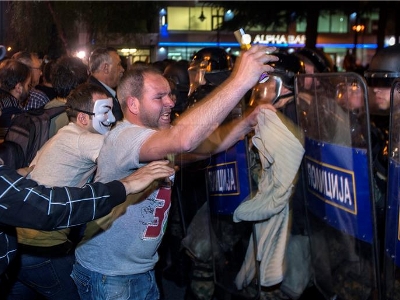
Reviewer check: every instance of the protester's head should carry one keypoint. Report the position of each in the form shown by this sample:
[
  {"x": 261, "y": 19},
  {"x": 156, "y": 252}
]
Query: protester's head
[
  {"x": 33, "y": 62},
  {"x": 67, "y": 73},
  {"x": 105, "y": 65},
  {"x": 89, "y": 107},
  {"x": 145, "y": 97},
  {"x": 15, "y": 78},
  {"x": 209, "y": 66},
  {"x": 383, "y": 69},
  {"x": 277, "y": 87}
]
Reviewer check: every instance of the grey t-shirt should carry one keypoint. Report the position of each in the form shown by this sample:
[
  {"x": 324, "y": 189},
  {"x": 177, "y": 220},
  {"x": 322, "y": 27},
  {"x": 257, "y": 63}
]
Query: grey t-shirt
[{"x": 129, "y": 245}]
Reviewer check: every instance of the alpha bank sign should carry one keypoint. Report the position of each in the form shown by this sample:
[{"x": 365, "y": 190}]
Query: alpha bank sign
[{"x": 279, "y": 39}]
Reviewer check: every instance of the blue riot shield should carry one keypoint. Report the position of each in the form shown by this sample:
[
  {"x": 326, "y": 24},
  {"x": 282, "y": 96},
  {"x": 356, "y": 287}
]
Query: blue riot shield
[
  {"x": 229, "y": 183},
  {"x": 391, "y": 263},
  {"x": 338, "y": 184}
]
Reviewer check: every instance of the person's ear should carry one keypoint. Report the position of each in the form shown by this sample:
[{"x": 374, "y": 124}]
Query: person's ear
[
  {"x": 106, "y": 68},
  {"x": 82, "y": 118},
  {"x": 133, "y": 104},
  {"x": 19, "y": 88}
]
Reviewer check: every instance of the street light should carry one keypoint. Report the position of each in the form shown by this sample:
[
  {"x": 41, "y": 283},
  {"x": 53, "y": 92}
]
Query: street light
[
  {"x": 202, "y": 17},
  {"x": 357, "y": 28}
]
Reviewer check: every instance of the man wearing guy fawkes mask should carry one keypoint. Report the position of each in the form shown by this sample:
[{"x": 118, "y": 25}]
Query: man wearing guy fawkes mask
[
  {"x": 102, "y": 116},
  {"x": 90, "y": 117}
]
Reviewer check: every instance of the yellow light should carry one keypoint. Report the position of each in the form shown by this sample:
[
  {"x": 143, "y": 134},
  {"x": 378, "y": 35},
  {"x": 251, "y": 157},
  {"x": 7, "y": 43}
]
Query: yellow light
[{"x": 358, "y": 28}]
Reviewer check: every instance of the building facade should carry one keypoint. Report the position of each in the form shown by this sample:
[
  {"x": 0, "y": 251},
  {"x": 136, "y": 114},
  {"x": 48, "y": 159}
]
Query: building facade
[{"x": 183, "y": 30}]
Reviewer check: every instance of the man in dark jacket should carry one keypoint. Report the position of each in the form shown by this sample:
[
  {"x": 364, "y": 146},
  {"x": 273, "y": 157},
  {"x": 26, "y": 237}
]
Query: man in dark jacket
[
  {"x": 24, "y": 203},
  {"x": 106, "y": 71}
]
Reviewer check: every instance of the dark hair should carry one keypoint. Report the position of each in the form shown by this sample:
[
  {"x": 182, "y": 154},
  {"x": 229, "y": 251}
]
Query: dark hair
[
  {"x": 13, "y": 72},
  {"x": 47, "y": 69},
  {"x": 68, "y": 73},
  {"x": 81, "y": 98},
  {"x": 98, "y": 56}
]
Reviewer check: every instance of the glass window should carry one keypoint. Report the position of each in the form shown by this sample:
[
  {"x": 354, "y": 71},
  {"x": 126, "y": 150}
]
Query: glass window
[
  {"x": 339, "y": 23},
  {"x": 301, "y": 25},
  {"x": 332, "y": 22},
  {"x": 187, "y": 18},
  {"x": 217, "y": 18},
  {"x": 324, "y": 22},
  {"x": 177, "y": 18},
  {"x": 195, "y": 23}
]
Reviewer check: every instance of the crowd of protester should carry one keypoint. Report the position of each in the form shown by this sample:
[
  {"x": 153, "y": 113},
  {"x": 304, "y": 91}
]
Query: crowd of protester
[{"x": 119, "y": 119}]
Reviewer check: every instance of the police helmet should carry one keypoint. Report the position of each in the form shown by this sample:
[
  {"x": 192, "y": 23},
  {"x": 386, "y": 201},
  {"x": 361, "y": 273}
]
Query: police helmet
[
  {"x": 269, "y": 88},
  {"x": 321, "y": 61},
  {"x": 286, "y": 68},
  {"x": 213, "y": 59},
  {"x": 178, "y": 73},
  {"x": 211, "y": 66},
  {"x": 384, "y": 67}
]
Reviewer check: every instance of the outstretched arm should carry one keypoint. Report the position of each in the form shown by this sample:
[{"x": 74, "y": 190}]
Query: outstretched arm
[
  {"x": 24, "y": 203},
  {"x": 225, "y": 136}
]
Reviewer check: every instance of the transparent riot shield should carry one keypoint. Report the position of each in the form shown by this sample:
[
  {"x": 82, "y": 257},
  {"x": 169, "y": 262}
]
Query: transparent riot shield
[
  {"x": 391, "y": 263},
  {"x": 229, "y": 183},
  {"x": 333, "y": 113}
]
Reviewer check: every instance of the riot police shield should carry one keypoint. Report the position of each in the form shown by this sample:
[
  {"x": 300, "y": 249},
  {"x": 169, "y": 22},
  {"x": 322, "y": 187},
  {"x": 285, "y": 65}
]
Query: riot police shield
[
  {"x": 333, "y": 113},
  {"x": 391, "y": 263},
  {"x": 229, "y": 183}
]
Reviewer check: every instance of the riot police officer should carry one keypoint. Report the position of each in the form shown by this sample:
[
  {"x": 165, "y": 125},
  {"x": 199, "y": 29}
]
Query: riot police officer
[
  {"x": 383, "y": 69},
  {"x": 209, "y": 67},
  {"x": 177, "y": 72},
  {"x": 278, "y": 89}
]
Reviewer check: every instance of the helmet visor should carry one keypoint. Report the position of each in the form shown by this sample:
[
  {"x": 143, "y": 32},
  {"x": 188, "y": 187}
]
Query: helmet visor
[
  {"x": 382, "y": 79},
  {"x": 350, "y": 96},
  {"x": 266, "y": 92},
  {"x": 197, "y": 75}
]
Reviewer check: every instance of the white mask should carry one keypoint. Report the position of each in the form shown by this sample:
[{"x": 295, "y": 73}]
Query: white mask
[{"x": 103, "y": 117}]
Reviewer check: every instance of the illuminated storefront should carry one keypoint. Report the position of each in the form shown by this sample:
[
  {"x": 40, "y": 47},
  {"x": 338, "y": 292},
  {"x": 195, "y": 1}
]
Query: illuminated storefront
[{"x": 185, "y": 30}]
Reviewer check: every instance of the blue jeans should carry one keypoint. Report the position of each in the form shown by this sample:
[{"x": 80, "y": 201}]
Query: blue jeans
[
  {"x": 95, "y": 286},
  {"x": 47, "y": 276}
]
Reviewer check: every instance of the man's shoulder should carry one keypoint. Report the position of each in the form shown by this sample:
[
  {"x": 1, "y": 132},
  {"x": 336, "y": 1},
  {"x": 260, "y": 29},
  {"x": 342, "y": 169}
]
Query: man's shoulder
[
  {"x": 6, "y": 99},
  {"x": 126, "y": 125},
  {"x": 126, "y": 133},
  {"x": 94, "y": 80},
  {"x": 106, "y": 88},
  {"x": 38, "y": 94}
]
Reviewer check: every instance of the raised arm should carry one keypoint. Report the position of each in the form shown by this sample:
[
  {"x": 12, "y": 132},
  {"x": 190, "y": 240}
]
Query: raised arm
[{"x": 196, "y": 124}]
